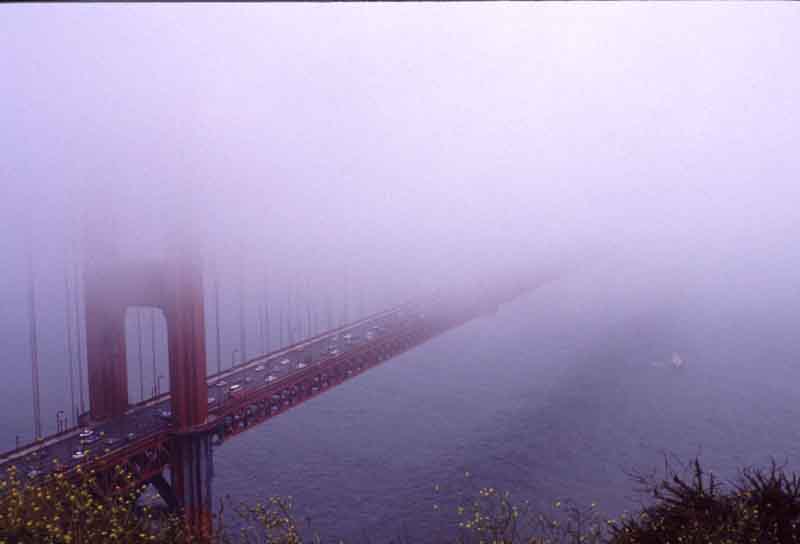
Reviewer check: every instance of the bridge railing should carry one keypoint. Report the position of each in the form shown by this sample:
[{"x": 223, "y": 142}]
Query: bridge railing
[{"x": 286, "y": 349}]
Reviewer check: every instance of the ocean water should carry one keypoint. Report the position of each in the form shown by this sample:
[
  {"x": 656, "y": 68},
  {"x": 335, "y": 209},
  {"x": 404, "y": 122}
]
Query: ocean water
[{"x": 559, "y": 395}]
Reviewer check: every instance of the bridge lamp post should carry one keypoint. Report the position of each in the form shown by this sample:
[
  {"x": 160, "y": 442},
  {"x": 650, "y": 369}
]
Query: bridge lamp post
[
  {"x": 60, "y": 422},
  {"x": 233, "y": 356},
  {"x": 158, "y": 384}
]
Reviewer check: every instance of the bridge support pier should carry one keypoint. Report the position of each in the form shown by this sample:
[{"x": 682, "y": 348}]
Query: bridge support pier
[
  {"x": 192, "y": 471},
  {"x": 165, "y": 491}
]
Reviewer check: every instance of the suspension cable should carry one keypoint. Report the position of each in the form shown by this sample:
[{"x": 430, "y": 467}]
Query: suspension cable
[
  {"x": 216, "y": 315},
  {"x": 37, "y": 416},
  {"x": 153, "y": 346},
  {"x": 242, "y": 328},
  {"x": 70, "y": 351},
  {"x": 141, "y": 359},
  {"x": 78, "y": 324}
]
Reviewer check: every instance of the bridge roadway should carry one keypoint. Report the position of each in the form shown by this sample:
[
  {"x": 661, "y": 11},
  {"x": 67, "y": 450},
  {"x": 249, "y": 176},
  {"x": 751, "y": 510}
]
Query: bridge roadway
[{"x": 268, "y": 373}]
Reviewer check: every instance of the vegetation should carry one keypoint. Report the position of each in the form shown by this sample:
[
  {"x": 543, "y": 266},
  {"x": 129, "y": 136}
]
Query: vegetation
[
  {"x": 58, "y": 509},
  {"x": 690, "y": 505}
]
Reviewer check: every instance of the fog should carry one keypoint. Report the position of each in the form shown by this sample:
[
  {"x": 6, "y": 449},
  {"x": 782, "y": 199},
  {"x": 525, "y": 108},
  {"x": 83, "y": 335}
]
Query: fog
[{"x": 348, "y": 157}]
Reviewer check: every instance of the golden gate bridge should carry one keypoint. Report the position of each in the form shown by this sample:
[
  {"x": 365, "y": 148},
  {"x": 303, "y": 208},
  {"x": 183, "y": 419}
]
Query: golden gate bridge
[{"x": 168, "y": 439}]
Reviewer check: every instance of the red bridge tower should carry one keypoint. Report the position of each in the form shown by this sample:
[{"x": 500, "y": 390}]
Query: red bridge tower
[{"x": 175, "y": 286}]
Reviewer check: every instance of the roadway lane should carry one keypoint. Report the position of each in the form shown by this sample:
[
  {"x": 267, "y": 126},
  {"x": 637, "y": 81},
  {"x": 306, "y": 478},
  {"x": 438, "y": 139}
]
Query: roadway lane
[{"x": 154, "y": 417}]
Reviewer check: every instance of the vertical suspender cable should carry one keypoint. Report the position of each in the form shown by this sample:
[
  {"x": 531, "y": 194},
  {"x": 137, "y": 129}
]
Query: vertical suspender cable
[
  {"x": 264, "y": 330},
  {"x": 346, "y": 305},
  {"x": 289, "y": 327},
  {"x": 266, "y": 326},
  {"x": 307, "y": 297},
  {"x": 269, "y": 331},
  {"x": 266, "y": 314},
  {"x": 78, "y": 328},
  {"x": 298, "y": 311},
  {"x": 141, "y": 359},
  {"x": 361, "y": 300},
  {"x": 242, "y": 333},
  {"x": 37, "y": 416},
  {"x": 280, "y": 326},
  {"x": 265, "y": 298},
  {"x": 153, "y": 347},
  {"x": 260, "y": 310},
  {"x": 328, "y": 310},
  {"x": 310, "y": 331},
  {"x": 297, "y": 325},
  {"x": 73, "y": 409},
  {"x": 216, "y": 315}
]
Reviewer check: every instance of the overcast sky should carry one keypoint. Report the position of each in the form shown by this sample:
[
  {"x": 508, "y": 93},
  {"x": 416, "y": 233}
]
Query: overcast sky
[
  {"x": 406, "y": 146},
  {"x": 407, "y": 132}
]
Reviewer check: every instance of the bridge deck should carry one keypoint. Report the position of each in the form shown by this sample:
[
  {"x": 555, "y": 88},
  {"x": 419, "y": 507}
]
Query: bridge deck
[
  {"x": 147, "y": 421},
  {"x": 250, "y": 392}
]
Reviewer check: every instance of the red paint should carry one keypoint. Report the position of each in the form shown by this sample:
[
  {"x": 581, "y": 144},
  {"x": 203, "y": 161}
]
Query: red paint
[{"x": 175, "y": 286}]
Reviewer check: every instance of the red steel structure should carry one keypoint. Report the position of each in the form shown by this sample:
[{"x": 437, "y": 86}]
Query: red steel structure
[
  {"x": 183, "y": 445},
  {"x": 175, "y": 286}
]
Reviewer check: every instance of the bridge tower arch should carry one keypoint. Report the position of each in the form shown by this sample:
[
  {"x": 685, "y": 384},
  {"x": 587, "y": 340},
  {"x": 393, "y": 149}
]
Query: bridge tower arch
[{"x": 173, "y": 284}]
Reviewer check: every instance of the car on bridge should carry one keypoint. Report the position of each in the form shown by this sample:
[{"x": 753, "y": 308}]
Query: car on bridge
[{"x": 89, "y": 440}]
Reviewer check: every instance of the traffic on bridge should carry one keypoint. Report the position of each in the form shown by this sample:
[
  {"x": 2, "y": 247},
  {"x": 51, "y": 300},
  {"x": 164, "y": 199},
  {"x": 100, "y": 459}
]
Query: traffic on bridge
[{"x": 274, "y": 381}]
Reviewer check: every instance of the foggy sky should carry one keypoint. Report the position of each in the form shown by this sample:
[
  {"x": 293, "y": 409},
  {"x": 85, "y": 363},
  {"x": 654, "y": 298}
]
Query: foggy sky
[
  {"x": 432, "y": 129},
  {"x": 407, "y": 144}
]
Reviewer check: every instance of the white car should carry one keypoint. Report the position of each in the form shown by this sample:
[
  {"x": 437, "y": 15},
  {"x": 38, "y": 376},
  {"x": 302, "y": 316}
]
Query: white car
[
  {"x": 285, "y": 362},
  {"x": 260, "y": 368},
  {"x": 270, "y": 378},
  {"x": 301, "y": 365},
  {"x": 235, "y": 387}
]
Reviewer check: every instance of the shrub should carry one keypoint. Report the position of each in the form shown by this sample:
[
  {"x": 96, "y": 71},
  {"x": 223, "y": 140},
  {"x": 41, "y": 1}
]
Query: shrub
[
  {"x": 762, "y": 506},
  {"x": 688, "y": 506},
  {"x": 66, "y": 508}
]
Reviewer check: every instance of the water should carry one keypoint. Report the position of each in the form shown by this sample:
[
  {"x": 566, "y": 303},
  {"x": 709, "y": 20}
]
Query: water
[{"x": 554, "y": 397}]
